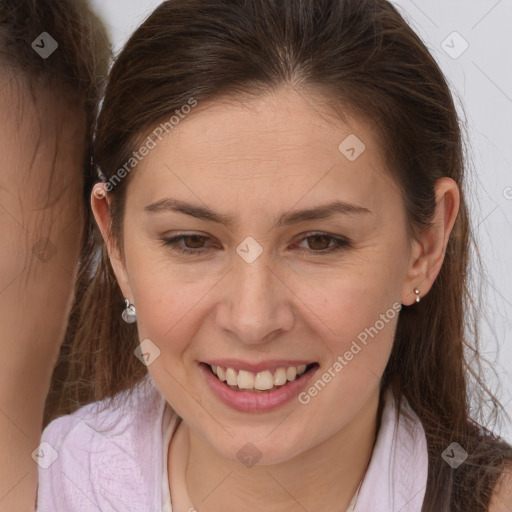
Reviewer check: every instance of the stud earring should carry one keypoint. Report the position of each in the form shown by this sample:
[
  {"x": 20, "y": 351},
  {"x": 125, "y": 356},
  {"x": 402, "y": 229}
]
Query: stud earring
[
  {"x": 417, "y": 292},
  {"x": 99, "y": 191},
  {"x": 129, "y": 314}
]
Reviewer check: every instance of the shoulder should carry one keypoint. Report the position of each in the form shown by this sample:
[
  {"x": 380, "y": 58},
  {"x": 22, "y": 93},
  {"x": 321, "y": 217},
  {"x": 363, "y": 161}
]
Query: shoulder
[
  {"x": 501, "y": 499},
  {"x": 120, "y": 416},
  {"x": 103, "y": 453}
]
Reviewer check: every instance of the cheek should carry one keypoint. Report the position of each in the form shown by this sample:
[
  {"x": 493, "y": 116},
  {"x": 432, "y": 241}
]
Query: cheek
[
  {"x": 353, "y": 313},
  {"x": 161, "y": 296},
  {"x": 170, "y": 308},
  {"x": 356, "y": 334},
  {"x": 355, "y": 322},
  {"x": 165, "y": 311},
  {"x": 354, "y": 293}
]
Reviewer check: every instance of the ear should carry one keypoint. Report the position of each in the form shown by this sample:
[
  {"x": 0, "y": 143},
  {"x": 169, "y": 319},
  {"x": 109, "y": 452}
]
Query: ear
[
  {"x": 428, "y": 251},
  {"x": 100, "y": 204}
]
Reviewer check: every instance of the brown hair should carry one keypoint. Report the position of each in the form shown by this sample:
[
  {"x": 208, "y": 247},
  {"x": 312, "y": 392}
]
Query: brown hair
[
  {"x": 75, "y": 73},
  {"x": 361, "y": 55}
]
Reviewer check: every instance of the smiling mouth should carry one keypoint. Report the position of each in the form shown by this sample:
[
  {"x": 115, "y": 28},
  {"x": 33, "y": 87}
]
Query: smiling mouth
[{"x": 261, "y": 382}]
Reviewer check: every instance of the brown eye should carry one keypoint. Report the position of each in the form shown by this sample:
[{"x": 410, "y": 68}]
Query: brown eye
[
  {"x": 323, "y": 244},
  {"x": 197, "y": 241},
  {"x": 320, "y": 242},
  {"x": 187, "y": 244}
]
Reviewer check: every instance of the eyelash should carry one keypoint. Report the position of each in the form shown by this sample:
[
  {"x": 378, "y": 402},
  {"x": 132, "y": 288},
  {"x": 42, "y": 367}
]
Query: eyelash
[{"x": 339, "y": 244}]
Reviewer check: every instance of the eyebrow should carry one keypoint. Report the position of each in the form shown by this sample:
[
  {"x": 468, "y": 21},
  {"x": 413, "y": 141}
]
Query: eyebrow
[{"x": 288, "y": 218}]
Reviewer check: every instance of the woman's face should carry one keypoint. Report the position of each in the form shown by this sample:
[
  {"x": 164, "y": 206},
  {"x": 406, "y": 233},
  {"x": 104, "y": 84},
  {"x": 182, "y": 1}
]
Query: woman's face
[{"x": 271, "y": 288}]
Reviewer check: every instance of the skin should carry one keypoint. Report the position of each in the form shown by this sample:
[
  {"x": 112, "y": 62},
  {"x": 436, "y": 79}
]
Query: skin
[
  {"x": 255, "y": 161},
  {"x": 42, "y": 145},
  {"x": 501, "y": 499}
]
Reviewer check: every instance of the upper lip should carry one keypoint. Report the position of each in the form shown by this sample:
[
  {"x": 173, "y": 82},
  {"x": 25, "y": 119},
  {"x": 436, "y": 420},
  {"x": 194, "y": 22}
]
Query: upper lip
[{"x": 270, "y": 365}]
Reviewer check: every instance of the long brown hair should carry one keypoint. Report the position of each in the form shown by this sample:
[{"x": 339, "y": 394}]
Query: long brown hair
[{"x": 362, "y": 55}]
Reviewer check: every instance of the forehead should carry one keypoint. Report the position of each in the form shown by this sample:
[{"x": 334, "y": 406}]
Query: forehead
[
  {"x": 40, "y": 121},
  {"x": 284, "y": 144}
]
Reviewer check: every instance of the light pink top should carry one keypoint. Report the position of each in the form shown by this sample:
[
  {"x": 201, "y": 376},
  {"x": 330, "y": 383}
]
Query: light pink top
[{"x": 116, "y": 459}]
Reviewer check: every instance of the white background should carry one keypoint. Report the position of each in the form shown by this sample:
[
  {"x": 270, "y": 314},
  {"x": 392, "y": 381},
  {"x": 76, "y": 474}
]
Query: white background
[{"x": 481, "y": 79}]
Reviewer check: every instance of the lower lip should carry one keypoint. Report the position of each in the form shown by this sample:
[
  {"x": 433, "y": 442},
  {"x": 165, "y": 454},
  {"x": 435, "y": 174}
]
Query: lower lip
[{"x": 255, "y": 402}]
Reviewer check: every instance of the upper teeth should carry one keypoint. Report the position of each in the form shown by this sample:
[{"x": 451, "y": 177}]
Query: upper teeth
[{"x": 261, "y": 381}]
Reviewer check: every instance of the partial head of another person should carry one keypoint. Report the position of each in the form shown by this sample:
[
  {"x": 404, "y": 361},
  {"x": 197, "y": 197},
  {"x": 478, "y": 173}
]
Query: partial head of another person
[{"x": 54, "y": 57}]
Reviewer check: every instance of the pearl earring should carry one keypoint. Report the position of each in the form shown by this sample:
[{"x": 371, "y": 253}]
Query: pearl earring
[
  {"x": 129, "y": 314},
  {"x": 417, "y": 292}
]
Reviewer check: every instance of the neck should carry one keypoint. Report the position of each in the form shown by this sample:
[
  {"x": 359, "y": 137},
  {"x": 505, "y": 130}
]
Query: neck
[{"x": 324, "y": 477}]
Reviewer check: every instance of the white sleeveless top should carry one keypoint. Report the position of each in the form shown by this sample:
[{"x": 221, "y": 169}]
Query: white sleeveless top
[{"x": 397, "y": 474}]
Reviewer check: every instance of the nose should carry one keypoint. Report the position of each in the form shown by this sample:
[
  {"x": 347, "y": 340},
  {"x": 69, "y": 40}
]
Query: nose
[{"x": 256, "y": 304}]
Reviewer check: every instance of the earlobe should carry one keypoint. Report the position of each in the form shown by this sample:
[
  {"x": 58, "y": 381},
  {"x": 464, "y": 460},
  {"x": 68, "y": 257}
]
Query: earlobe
[
  {"x": 415, "y": 276},
  {"x": 429, "y": 249}
]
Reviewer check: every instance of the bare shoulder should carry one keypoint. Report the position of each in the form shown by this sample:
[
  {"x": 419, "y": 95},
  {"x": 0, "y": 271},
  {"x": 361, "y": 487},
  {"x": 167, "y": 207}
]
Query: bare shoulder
[{"x": 501, "y": 499}]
